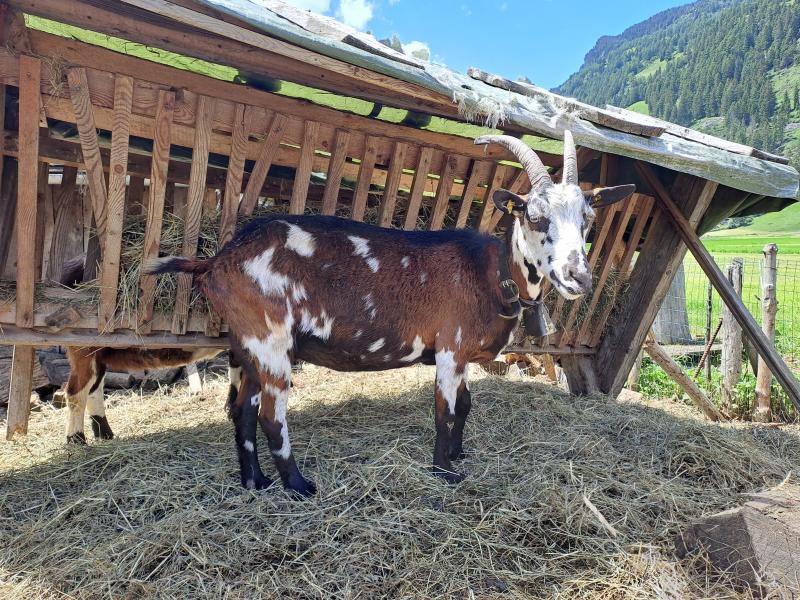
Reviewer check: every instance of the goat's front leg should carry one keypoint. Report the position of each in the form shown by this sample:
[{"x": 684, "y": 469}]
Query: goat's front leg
[
  {"x": 79, "y": 383},
  {"x": 272, "y": 417},
  {"x": 463, "y": 406},
  {"x": 97, "y": 412},
  {"x": 244, "y": 412},
  {"x": 449, "y": 383}
]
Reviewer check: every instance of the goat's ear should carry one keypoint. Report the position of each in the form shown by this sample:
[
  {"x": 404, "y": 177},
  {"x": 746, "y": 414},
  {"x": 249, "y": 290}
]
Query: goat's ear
[
  {"x": 509, "y": 203},
  {"x": 600, "y": 197}
]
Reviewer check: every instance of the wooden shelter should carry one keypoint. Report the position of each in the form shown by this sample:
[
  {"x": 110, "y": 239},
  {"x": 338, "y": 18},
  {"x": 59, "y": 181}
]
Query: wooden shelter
[{"x": 150, "y": 137}]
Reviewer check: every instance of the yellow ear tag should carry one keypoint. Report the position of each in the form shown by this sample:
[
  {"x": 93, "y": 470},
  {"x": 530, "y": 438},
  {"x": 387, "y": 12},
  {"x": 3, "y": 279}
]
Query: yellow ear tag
[{"x": 510, "y": 206}]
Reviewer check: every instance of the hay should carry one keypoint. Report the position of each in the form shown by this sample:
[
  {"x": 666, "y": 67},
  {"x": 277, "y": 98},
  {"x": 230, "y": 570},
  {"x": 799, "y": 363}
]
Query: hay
[{"x": 159, "y": 512}]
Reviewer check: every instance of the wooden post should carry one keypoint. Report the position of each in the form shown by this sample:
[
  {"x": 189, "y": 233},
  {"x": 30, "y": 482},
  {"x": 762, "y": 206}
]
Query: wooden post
[
  {"x": 19, "y": 394},
  {"x": 633, "y": 376},
  {"x": 731, "y": 340},
  {"x": 764, "y": 347},
  {"x": 769, "y": 308},
  {"x": 673, "y": 369},
  {"x": 709, "y": 318}
]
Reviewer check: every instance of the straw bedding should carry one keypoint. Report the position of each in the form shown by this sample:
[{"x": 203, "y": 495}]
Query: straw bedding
[{"x": 565, "y": 498}]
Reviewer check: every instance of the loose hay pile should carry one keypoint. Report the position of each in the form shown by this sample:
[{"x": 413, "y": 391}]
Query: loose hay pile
[{"x": 565, "y": 497}]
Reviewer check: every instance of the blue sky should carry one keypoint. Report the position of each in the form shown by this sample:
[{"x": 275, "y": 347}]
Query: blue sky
[{"x": 544, "y": 40}]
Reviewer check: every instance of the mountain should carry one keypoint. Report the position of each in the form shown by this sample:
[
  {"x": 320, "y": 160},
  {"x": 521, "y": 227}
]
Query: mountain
[{"x": 727, "y": 67}]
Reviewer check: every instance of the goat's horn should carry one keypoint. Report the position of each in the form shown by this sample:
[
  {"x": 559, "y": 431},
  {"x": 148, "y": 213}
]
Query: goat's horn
[
  {"x": 570, "y": 170},
  {"x": 532, "y": 164}
]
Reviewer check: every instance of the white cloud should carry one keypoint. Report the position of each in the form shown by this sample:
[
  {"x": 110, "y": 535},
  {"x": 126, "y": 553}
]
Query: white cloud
[
  {"x": 466, "y": 10},
  {"x": 420, "y": 50},
  {"x": 317, "y": 6},
  {"x": 393, "y": 2},
  {"x": 504, "y": 7},
  {"x": 355, "y": 13}
]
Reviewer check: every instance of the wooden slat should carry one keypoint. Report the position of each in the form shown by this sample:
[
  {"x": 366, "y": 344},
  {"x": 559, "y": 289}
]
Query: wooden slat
[
  {"x": 194, "y": 206},
  {"x": 233, "y": 180},
  {"x": 335, "y": 171},
  {"x": 68, "y": 223},
  {"x": 607, "y": 262},
  {"x": 302, "y": 177},
  {"x": 645, "y": 208},
  {"x": 520, "y": 184},
  {"x": 476, "y": 175},
  {"x": 155, "y": 204},
  {"x": 418, "y": 187},
  {"x": 120, "y": 134},
  {"x": 134, "y": 202},
  {"x": 442, "y": 200},
  {"x": 19, "y": 393},
  {"x": 266, "y": 155},
  {"x": 84, "y": 119},
  {"x": 389, "y": 200},
  {"x": 44, "y": 223},
  {"x": 27, "y": 177},
  {"x": 496, "y": 183},
  {"x": 364, "y": 179}
]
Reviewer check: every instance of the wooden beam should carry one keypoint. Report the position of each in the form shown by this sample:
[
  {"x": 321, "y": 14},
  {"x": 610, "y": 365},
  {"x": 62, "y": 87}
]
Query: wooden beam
[
  {"x": 335, "y": 169},
  {"x": 442, "y": 200},
  {"x": 418, "y": 187},
  {"x": 235, "y": 175},
  {"x": 364, "y": 179},
  {"x": 155, "y": 205},
  {"x": 22, "y": 337},
  {"x": 751, "y": 329},
  {"x": 302, "y": 177},
  {"x": 84, "y": 119},
  {"x": 19, "y": 394},
  {"x": 660, "y": 256},
  {"x": 27, "y": 178},
  {"x": 386, "y": 210},
  {"x": 194, "y": 207},
  {"x": 115, "y": 214},
  {"x": 477, "y": 172},
  {"x": 266, "y": 155},
  {"x": 485, "y": 218}
]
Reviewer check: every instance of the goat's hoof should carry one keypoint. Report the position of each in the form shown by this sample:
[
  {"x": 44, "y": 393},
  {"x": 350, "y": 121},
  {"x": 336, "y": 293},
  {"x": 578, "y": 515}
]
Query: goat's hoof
[
  {"x": 301, "y": 489},
  {"x": 101, "y": 428},
  {"x": 261, "y": 482},
  {"x": 77, "y": 438},
  {"x": 451, "y": 477}
]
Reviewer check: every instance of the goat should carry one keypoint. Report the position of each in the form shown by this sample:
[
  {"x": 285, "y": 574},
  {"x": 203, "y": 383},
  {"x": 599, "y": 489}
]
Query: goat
[
  {"x": 88, "y": 367},
  {"x": 354, "y": 297}
]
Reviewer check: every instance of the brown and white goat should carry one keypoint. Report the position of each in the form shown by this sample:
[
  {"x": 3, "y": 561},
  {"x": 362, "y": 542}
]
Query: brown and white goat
[
  {"x": 87, "y": 370},
  {"x": 354, "y": 297}
]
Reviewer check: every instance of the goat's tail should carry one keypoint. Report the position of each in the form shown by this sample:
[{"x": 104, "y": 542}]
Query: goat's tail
[{"x": 176, "y": 264}]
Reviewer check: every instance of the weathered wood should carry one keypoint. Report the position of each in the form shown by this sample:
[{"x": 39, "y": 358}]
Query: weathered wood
[
  {"x": 10, "y": 334},
  {"x": 19, "y": 394},
  {"x": 115, "y": 213},
  {"x": 155, "y": 205},
  {"x": 485, "y": 217},
  {"x": 27, "y": 177},
  {"x": 660, "y": 256},
  {"x": 335, "y": 170},
  {"x": 636, "y": 370},
  {"x": 44, "y": 223},
  {"x": 674, "y": 370},
  {"x": 302, "y": 177},
  {"x": 477, "y": 173},
  {"x": 762, "y": 345},
  {"x": 418, "y": 188},
  {"x": 233, "y": 180},
  {"x": 757, "y": 544},
  {"x": 8, "y": 210},
  {"x": 364, "y": 179},
  {"x": 193, "y": 376},
  {"x": 84, "y": 119},
  {"x": 442, "y": 200},
  {"x": 265, "y": 157},
  {"x": 769, "y": 308},
  {"x": 581, "y": 375},
  {"x": 731, "y": 362},
  {"x": 194, "y": 206},
  {"x": 709, "y": 318},
  {"x": 68, "y": 223},
  {"x": 389, "y": 199}
]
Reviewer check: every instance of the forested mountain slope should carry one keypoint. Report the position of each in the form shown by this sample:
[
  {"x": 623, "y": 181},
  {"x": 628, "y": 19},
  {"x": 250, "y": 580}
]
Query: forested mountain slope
[{"x": 727, "y": 67}]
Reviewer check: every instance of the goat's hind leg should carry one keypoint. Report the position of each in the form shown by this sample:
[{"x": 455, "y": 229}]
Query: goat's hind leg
[
  {"x": 97, "y": 412},
  {"x": 81, "y": 379},
  {"x": 243, "y": 410},
  {"x": 463, "y": 406},
  {"x": 450, "y": 385}
]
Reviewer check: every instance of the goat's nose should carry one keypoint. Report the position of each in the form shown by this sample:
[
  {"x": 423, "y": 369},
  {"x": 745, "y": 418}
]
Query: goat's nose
[{"x": 580, "y": 281}]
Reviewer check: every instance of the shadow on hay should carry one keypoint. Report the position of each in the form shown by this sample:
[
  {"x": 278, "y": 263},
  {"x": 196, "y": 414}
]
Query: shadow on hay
[{"x": 166, "y": 509}]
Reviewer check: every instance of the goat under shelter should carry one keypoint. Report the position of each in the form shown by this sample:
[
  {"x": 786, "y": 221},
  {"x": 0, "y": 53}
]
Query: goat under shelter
[{"x": 137, "y": 128}]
